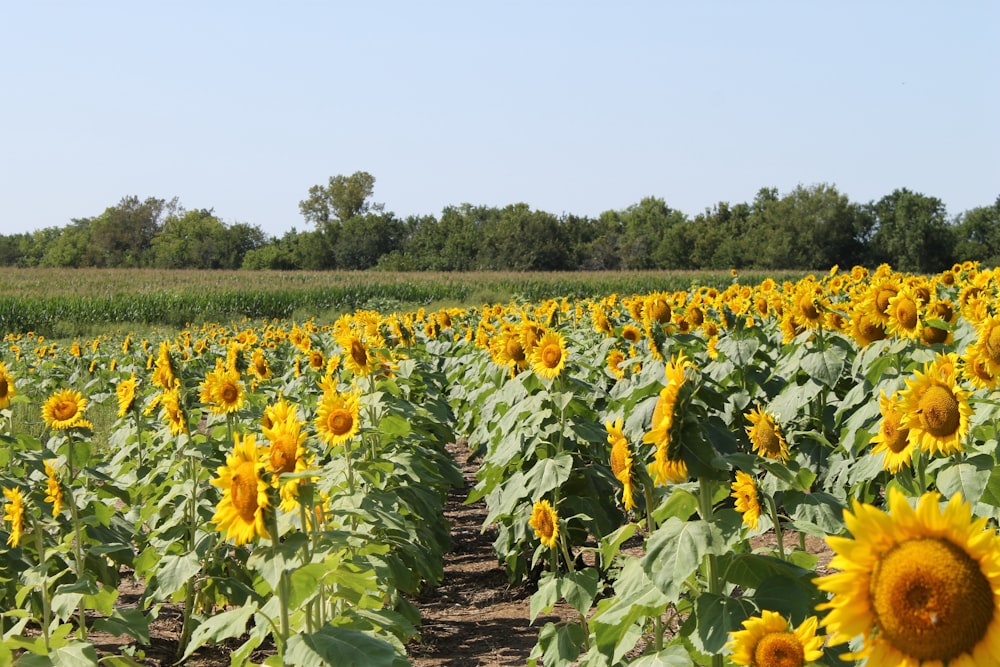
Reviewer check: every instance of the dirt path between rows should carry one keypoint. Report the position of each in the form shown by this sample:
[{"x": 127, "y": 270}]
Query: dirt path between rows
[{"x": 474, "y": 618}]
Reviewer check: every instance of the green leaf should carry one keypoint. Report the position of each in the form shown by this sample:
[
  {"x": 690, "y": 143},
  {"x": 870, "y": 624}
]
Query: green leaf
[
  {"x": 611, "y": 544},
  {"x": 681, "y": 504},
  {"x": 548, "y": 474},
  {"x": 74, "y": 654},
  {"x": 717, "y": 616},
  {"x": 175, "y": 571},
  {"x": 968, "y": 478},
  {"x": 560, "y": 644},
  {"x": 225, "y": 625},
  {"x": 674, "y": 552},
  {"x": 304, "y": 582},
  {"x": 125, "y": 622},
  {"x": 672, "y": 656},
  {"x": 546, "y": 596},
  {"x": 580, "y": 588},
  {"x": 991, "y": 494},
  {"x": 342, "y": 647},
  {"x": 820, "y": 508},
  {"x": 825, "y": 365}
]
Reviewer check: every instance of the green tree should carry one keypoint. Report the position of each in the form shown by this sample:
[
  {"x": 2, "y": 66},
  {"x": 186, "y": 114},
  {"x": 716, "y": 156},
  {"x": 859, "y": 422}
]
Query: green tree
[
  {"x": 123, "y": 234},
  {"x": 911, "y": 232},
  {"x": 342, "y": 198},
  {"x": 192, "y": 240},
  {"x": 977, "y": 235},
  {"x": 70, "y": 248}
]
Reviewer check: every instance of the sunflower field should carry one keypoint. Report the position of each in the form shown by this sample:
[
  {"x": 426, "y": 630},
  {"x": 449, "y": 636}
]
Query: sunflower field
[{"x": 656, "y": 463}]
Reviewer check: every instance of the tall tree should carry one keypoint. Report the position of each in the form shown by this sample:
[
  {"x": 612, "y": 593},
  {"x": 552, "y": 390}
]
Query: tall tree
[
  {"x": 342, "y": 198},
  {"x": 977, "y": 234},
  {"x": 912, "y": 232},
  {"x": 122, "y": 235}
]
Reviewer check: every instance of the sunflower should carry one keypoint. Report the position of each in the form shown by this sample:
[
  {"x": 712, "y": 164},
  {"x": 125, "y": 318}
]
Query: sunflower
[
  {"x": 865, "y": 328},
  {"x": 545, "y": 521},
  {"x": 258, "y": 364},
  {"x": 631, "y": 333},
  {"x": 668, "y": 472},
  {"x": 988, "y": 343},
  {"x": 64, "y": 410},
  {"x": 126, "y": 394},
  {"x": 549, "y": 357},
  {"x": 614, "y": 362},
  {"x": 892, "y": 438},
  {"x": 286, "y": 454},
  {"x": 664, "y": 469},
  {"x": 765, "y": 435},
  {"x": 507, "y": 350},
  {"x": 357, "y": 357},
  {"x": 338, "y": 417},
  {"x": 936, "y": 411},
  {"x": 53, "y": 492},
  {"x": 944, "y": 312},
  {"x": 14, "y": 513},
  {"x": 6, "y": 386},
  {"x": 768, "y": 641},
  {"x": 621, "y": 462},
  {"x": 163, "y": 373},
  {"x": 222, "y": 389},
  {"x": 904, "y": 315},
  {"x": 240, "y": 512},
  {"x": 657, "y": 308},
  {"x": 744, "y": 490},
  {"x": 919, "y": 586},
  {"x": 173, "y": 412},
  {"x": 316, "y": 360},
  {"x": 975, "y": 371}
]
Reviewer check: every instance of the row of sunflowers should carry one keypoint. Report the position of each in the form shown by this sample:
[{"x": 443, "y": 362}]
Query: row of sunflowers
[{"x": 675, "y": 468}]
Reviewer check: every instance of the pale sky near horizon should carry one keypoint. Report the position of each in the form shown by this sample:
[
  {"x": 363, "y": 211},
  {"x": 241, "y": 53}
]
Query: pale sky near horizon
[{"x": 570, "y": 107}]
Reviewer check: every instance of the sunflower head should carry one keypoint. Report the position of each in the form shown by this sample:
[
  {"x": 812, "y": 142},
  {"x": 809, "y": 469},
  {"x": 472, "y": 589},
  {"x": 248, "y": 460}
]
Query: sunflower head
[
  {"x": 222, "y": 389},
  {"x": 14, "y": 514},
  {"x": 621, "y": 462},
  {"x": 240, "y": 513},
  {"x": 744, "y": 491},
  {"x": 936, "y": 410},
  {"x": 892, "y": 439},
  {"x": 766, "y": 437},
  {"x": 6, "y": 386},
  {"x": 64, "y": 410},
  {"x": 53, "y": 491},
  {"x": 769, "y": 641},
  {"x": 126, "y": 394},
  {"x": 338, "y": 417},
  {"x": 545, "y": 522},
  {"x": 917, "y": 585},
  {"x": 548, "y": 358}
]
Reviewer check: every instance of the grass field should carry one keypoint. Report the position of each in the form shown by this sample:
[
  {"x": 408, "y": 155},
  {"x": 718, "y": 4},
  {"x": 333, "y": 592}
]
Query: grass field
[{"x": 71, "y": 302}]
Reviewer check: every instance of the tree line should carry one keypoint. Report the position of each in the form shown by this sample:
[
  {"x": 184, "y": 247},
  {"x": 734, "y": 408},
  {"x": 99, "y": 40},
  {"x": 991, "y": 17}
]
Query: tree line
[{"x": 810, "y": 228}]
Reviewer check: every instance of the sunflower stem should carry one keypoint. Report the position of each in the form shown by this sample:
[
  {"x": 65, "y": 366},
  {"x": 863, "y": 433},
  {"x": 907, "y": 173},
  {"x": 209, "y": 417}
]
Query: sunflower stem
[
  {"x": 43, "y": 571},
  {"x": 705, "y": 493},
  {"x": 78, "y": 553},
  {"x": 776, "y": 520}
]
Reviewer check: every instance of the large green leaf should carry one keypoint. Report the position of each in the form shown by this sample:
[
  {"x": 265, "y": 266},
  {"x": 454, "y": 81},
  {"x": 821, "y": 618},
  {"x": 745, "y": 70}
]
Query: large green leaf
[
  {"x": 968, "y": 478},
  {"x": 674, "y": 552},
  {"x": 225, "y": 625},
  {"x": 825, "y": 365},
  {"x": 342, "y": 647},
  {"x": 672, "y": 656},
  {"x": 548, "y": 474},
  {"x": 717, "y": 616}
]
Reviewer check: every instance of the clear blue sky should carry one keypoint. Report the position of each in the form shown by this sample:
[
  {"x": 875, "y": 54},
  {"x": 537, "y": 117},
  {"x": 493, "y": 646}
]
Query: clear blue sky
[{"x": 571, "y": 107}]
